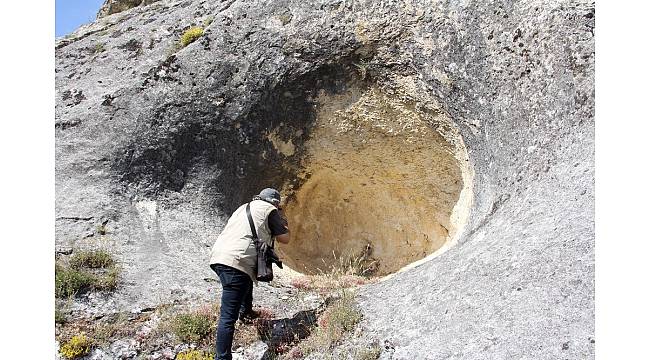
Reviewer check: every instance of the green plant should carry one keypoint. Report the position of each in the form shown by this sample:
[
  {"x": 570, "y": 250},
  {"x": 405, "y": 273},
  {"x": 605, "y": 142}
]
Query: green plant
[
  {"x": 108, "y": 281},
  {"x": 194, "y": 355},
  {"x": 78, "y": 346},
  {"x": 92, "y": 259},
  {"x": 70, "y": 282},
  {"x": 191, "y": 35},
  {"x": 193, "y": 327},
  {"x": 74, "y": 280}
]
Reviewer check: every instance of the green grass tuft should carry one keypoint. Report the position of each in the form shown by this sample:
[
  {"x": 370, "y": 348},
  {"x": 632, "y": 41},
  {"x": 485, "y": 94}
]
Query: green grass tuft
[
  {"x": 191, "y": 35},
  {"x": 91, "y": 259},
  {"x": 193, "y": 327},
  {"x": 90, "y": 270},
  {"x": 71, "y": 282}
]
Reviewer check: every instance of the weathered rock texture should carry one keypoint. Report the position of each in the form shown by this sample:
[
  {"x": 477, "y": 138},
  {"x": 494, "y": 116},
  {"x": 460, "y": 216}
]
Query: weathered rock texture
[
  {"x": 115, "y": 6},
  {"x": 159, "y": 144}
]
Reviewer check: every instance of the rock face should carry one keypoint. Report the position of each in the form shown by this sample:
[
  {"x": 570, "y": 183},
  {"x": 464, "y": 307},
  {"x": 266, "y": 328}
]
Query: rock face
[
  {"x": 114, "y": 6},
  {"x": 159, "y": 144}
]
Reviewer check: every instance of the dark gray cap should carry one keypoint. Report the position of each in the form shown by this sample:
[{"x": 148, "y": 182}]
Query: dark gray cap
[{"x": 270, "y": 195}]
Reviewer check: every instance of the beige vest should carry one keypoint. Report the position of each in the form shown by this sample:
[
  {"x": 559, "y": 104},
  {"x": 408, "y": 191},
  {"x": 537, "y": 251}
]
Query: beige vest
[{"x": 234, "y": 247}]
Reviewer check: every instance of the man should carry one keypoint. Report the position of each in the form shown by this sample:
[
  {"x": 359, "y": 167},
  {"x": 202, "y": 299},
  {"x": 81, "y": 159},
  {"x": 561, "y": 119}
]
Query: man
[{"x": 234, "y": 259}]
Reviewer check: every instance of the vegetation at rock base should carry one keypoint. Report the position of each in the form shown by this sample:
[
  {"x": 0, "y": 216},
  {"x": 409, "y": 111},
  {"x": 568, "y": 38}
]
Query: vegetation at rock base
[
  {"x": 78, "y": 346},
  {"x": 86, "y": 271},
  {"x": 194, "y": 326},
  {"x": 118, "y": 326},
  {"x": 340, "y": 317},
  {"x": 91, "y": 259},
  {"x": 70, "y": 282},
  {"x": 194, "y": 355},
  {"x": 191, "y": 35},
  {"x": 108, "y": 281}
]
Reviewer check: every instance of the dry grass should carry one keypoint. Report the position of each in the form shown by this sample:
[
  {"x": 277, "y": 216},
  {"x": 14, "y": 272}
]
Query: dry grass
[
  {"x": 349, "y": 271},
  {"x": 370, "y": 353},
  {"x": 119, "y": 326}
]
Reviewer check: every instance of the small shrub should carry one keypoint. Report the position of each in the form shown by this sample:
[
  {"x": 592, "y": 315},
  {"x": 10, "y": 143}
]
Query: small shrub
[
  {"x": 194, "y": 355},
  {"x": 191, "y": 35},
  {"x": 92, "y": 259},
  {"x": 70, "y": 282},
  {"x": 193, "y": 327},
  {"x": 78, "y": 346},
  {"x": 107, "y": 282}
]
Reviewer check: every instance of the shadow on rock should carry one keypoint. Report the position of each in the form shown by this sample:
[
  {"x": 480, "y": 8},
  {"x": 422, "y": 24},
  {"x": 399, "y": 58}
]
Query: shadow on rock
[{"x": 280, "y": 334}]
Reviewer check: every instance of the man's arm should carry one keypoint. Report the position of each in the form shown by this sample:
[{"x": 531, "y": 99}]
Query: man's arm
[{"x": 279, "y": 227}]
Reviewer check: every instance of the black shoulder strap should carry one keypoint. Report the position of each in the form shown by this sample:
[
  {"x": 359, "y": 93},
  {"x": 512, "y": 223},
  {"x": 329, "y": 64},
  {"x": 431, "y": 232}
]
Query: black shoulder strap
[{"x": 250, "y": 220}]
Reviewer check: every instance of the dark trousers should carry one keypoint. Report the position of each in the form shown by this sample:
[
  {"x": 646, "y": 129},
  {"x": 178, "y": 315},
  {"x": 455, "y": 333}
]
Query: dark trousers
[{"x": 236, "y": 299}]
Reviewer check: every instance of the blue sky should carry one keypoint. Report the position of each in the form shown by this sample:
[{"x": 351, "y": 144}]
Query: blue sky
[{"x": 70, "y": 14}]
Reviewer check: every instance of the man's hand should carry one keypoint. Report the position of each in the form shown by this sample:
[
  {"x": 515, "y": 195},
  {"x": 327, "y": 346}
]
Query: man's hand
[{"x": 284, "y": 238}]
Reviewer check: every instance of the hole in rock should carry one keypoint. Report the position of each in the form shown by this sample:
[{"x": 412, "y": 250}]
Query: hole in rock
[{"x": 377, "y": 175}]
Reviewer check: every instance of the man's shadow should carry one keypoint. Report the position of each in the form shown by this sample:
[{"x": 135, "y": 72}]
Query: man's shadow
[{"x": 281, "y": 334}]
